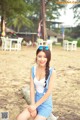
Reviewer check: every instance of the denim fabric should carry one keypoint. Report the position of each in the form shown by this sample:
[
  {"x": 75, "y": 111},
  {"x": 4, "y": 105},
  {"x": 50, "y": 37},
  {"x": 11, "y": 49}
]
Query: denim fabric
[{"x": 45, "y": 109}]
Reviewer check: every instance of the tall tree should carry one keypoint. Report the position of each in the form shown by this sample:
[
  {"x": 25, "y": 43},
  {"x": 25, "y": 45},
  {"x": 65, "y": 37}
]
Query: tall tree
[
  {"x": 45, "y": 10},
  {"x": 9, "y": 8},
  {"x": 43, "y": 19},
  {"x": 26, "y": 12}
]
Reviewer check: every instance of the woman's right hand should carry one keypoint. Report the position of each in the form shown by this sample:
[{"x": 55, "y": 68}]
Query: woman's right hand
[
  {"x": 33, "y": 113},
  {"x": 31, "y": 108}
]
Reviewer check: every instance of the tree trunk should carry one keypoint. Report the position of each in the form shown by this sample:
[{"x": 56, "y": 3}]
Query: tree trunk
[
  {"x": 3, "y": 27},
  {"x": 43, "y": 18}
]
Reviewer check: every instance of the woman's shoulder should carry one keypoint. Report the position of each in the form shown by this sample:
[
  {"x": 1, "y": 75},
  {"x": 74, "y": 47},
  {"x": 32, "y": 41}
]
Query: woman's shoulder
[
  {"x": 52, "y": 68},
  {"x": 52, "y": 71},
  {"x": 33, "y": 67}
]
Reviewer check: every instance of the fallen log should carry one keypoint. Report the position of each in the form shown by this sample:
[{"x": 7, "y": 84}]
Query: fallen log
[{"x": 26, "y": 94}]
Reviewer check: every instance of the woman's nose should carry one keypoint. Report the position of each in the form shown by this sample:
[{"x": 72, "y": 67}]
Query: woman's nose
[{"x": 42, "y": 58}]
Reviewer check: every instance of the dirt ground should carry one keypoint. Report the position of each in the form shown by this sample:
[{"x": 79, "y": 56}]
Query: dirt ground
[{"x": 14, "y": 75}]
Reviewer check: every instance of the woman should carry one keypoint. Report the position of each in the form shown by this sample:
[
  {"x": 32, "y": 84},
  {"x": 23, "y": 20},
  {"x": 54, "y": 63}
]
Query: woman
[{"x": 41, "y": 85}]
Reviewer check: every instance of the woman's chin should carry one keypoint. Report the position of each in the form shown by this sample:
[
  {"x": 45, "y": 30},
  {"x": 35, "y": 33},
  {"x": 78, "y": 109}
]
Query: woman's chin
[{"x": 42, "y": 65}]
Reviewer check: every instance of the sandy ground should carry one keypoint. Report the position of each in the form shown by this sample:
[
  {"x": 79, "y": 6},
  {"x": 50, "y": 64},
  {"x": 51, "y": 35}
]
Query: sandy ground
[{"x": 14, "y": 74}]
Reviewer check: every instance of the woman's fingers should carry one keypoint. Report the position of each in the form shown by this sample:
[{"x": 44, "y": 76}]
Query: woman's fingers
[
  {"x": 32, "y": 107},
  {"x": 34, "y": 113}
]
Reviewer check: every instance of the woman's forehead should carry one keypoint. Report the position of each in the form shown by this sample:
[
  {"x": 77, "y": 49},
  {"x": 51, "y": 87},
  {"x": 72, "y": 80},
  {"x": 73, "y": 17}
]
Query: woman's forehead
[{"x": 41, "y": 53}]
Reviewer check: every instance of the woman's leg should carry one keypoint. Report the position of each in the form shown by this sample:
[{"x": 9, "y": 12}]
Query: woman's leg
[
  {"x": 25, "y": 115},
  {"x": 38, "y": 117}
]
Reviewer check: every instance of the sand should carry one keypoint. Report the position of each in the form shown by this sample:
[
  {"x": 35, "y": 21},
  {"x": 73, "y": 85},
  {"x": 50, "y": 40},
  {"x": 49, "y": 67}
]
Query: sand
[{"x": 14, "y": 75}]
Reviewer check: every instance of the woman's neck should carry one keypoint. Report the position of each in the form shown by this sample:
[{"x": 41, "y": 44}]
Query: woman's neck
[{"x": 41, "y": 67}]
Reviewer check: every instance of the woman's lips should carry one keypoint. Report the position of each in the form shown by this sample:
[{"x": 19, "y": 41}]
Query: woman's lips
[{"x": 42, "y": 62}]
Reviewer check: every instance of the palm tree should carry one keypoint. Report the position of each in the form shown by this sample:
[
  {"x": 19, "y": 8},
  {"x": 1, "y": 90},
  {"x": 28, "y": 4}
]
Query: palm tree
[{"x": 10, "y": 8}]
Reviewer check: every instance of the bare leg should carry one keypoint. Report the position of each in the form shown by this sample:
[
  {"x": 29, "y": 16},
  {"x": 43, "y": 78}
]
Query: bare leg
[
  {"x": 38, "y": 117},
  {"x": 25, "y": 115}
]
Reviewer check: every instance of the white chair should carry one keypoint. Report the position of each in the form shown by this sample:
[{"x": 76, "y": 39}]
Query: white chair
[
  {"x": 69, "y": 45},
  {"x": 49, "y": 43},
  {"x": 44, "y": 43},
  {"x": 39, "y": 42},
  {"x": 18, "y": 44},
  {"x": 74, "y": 45},
  {"x": 5, "y": 43},
  {"x": 65, "y": 45},
  {"x": 29, "y": 43}
]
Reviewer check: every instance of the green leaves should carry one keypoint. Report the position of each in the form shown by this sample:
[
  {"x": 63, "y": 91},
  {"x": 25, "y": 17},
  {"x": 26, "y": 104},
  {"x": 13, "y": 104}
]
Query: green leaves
[
  {"x": 76, "y": 9},
  {"x": 27, "y": 12}
]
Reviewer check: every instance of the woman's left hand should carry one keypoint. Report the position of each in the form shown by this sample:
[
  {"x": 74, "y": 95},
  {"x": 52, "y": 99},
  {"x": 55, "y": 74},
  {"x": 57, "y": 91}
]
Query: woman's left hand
[
  {"x": 31, "y": 108},
  {"x": 33, "y": 114}
]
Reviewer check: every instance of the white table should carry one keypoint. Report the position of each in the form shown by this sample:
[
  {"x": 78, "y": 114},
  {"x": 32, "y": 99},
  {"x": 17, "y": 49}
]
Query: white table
[
  {"x": 17, "y": 45},
  {"x": 11, "y": 43},
  {"x": 11, "y": 40},
  {"x": 5, "y": 43},
  {"x": 69, "y": 45}
]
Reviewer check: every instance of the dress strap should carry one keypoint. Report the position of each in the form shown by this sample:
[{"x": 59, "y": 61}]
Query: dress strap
[
  {"x": 33, "y": 72},
  {"x": 33, "y": 75}
]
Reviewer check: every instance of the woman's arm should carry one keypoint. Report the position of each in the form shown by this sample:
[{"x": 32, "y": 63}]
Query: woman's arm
[
  {"x": 33, "y": 113},
  {"x": 32, "y": 91}
]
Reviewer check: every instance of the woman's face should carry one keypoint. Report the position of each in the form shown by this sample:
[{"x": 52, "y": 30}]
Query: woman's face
[{"x": 41, "y": 59}]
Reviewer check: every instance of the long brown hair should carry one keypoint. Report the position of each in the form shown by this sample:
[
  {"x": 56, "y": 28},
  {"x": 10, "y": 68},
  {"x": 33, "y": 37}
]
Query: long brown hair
[{"x": 48, "y": 56}]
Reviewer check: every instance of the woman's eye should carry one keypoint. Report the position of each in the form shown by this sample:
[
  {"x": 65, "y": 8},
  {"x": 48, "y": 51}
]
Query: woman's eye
[{"x": 39, "y": 56}]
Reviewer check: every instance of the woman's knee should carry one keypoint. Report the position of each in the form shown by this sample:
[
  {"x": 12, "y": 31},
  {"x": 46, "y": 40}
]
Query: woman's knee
[{"x": 23, "y": 115}]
